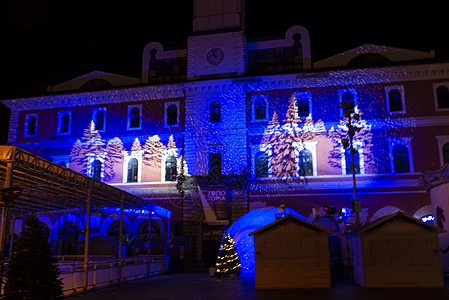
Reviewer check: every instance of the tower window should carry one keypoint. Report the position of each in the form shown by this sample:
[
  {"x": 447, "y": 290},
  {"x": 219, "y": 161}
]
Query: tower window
[
  {"x": 215, "y": 111},
  {"x": 172, "y": 115}
]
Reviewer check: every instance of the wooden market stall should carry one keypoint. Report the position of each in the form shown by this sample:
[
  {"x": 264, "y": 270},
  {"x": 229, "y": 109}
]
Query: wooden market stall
[
  {"x": 291, "y": 253},
  {"x": 397, "y": 251}
]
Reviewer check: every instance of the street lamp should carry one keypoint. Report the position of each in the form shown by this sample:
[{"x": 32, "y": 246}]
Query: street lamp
[{"x": 348, "y": 143}]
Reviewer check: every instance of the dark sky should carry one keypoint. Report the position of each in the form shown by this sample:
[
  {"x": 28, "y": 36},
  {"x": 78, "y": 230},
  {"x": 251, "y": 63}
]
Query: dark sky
[{"x": 46, "y": 42}]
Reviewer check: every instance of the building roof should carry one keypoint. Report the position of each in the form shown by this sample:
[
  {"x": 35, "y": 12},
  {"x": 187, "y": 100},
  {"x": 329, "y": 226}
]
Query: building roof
[
  {"x": 385, "y": 55},
  {"x": 291, "y": 218},
  {"x": 399, "y": 215}
]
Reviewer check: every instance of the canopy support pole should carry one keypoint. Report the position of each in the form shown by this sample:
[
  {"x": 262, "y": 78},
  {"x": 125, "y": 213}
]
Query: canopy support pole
[
  {"x": 150, "y": 220},
  {"x": 5, "y": 215},
  {"x": 120, "y": 239},
  {"x": 87, "y": 232}
]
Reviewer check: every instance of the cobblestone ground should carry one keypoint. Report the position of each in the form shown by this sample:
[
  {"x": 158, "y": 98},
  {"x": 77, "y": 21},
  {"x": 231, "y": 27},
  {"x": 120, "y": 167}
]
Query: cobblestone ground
[{"x": 197, "y": 285}]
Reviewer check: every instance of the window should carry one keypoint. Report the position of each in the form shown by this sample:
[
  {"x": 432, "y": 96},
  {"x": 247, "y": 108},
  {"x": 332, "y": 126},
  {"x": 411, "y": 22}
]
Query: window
[
  {"x": 303, "y": 105},
  {"x": 443, "y": 148},
  {"x": 259, "y": 108},
  {"x": 143, "y": 229},
  {"x": 30, "y": 128},
  {"x": 442, "y": 97},
  {"x": 96, "y": 170},
  {"x": 215, "y": 165},
  {"x": 95, "y": 165},
  {"x": 64, "y": 118},
  {"x": 400, "y": 149},
  {"x": 348, "y": 160},
  {"x": 114, "y": 231},
  {"x": 132, "y": 170},
  {"x": 134, "y": 117},
  {"x": 99, "y": 118},
  {"x": 261, "y": 164},
  {"x": 260, "y": 112},
  {"x": 305, "y": 163},
  {"x": 215, "y": 111},
  {"x": 305, "y": 158},
  {"x": 400, "y": 157},
  {"x": 349, "y": 96},
  {"x": 170, "y": 169},
  {"x": 132, "y": 166},
  {"x": 65, "y": 123},
  {"x": 445, "y": 151},
  {"x": 172, "y": 115},
  {"x": 261, "y": 161},
  {"x": 62, "y": 160},
  {"x": 395, "y": 99}
]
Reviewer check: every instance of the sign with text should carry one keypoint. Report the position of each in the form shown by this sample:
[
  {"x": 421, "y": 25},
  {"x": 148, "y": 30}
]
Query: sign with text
[{"x": 216, "y": 195}]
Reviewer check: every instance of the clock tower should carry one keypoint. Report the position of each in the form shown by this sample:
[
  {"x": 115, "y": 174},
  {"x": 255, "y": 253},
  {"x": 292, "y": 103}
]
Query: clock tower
[{"x": 217, "y": 44}]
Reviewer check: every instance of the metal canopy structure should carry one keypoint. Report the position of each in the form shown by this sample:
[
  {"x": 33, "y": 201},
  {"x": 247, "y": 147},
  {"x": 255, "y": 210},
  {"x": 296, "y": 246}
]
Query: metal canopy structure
[{"x": 47, "y": 186}]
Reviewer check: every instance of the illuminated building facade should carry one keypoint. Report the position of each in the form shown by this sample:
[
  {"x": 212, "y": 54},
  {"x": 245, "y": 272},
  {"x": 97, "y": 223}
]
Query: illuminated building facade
[{"x": 232, "y": 103}]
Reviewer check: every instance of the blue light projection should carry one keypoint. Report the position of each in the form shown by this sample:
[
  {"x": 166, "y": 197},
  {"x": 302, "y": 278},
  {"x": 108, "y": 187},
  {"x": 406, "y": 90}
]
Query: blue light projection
[{"x": 243, "y": 226}]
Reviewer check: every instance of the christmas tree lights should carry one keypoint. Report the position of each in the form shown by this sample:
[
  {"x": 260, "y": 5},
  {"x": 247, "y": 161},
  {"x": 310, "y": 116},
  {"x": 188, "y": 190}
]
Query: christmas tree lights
[{"x": 228, "y": 263}]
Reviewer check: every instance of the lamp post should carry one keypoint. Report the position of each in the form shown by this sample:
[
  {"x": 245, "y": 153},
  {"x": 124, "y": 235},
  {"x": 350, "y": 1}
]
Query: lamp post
[{"x": 348, "y": 143}]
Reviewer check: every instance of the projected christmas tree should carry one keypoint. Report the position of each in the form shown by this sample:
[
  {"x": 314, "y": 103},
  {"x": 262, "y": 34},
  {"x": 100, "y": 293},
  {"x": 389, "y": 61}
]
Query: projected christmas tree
[{"x": 228, "y": 263}]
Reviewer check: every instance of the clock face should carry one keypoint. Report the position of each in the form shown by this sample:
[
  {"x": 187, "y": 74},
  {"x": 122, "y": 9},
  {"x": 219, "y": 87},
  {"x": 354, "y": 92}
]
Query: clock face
[{"x": 215, "y": 56}]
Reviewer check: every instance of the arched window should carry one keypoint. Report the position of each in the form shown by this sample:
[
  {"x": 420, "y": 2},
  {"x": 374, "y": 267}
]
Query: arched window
[
  {"x": 349, "y": 99},
  {"x": 31, "y": 126},
  {"x": 260, "y": 109},
  {"x": 303, "y": 106},
  {"x": 114, "y": 231},
  {"x": 143, "y": 229},
  {"x": 65, "y": 119},
  {"x": 134, "y": 118},
  {"x": 305, "y": 163},
  {"x": 215, "y": 111},
  {"x": 132, "y": 170},
  {"x": 443, "y": 97},
  {"x": 400, "y": 157},
  {"x": 69, "y": 237},
  {"x": 394, "y": 99},
  {"x": 170, "y": 169},
  {"x": 62, "y": 163},
  {"x": 172, "y": 115},
  {"x": 446, "y": 153},
  {"x": 348, "y": 160},
  {"x": 99, "y": 120},
  {"x": 96, "y": 169},
  {"x": 261, "y": 163}
]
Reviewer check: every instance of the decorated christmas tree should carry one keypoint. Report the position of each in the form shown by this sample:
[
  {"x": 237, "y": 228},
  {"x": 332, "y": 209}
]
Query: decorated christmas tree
[
  {"x": 33, "y": 272},
  {"x": 228, "y": 262}
]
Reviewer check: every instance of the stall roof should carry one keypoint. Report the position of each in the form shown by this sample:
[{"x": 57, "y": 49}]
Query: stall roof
[
  {"x": 398, "y": 215},
  {"x": 47, "y": 186}
]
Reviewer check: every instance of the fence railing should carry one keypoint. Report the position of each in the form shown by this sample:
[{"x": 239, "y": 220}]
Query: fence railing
[{"x": 108, "y": 272}]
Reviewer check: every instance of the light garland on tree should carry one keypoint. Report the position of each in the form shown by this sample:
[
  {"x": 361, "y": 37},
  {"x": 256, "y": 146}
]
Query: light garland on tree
[{"x": 228, "y": 263}]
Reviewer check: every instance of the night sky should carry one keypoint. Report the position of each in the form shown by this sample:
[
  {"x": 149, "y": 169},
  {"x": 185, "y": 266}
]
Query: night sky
[{"x": 46, "y": 42}]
